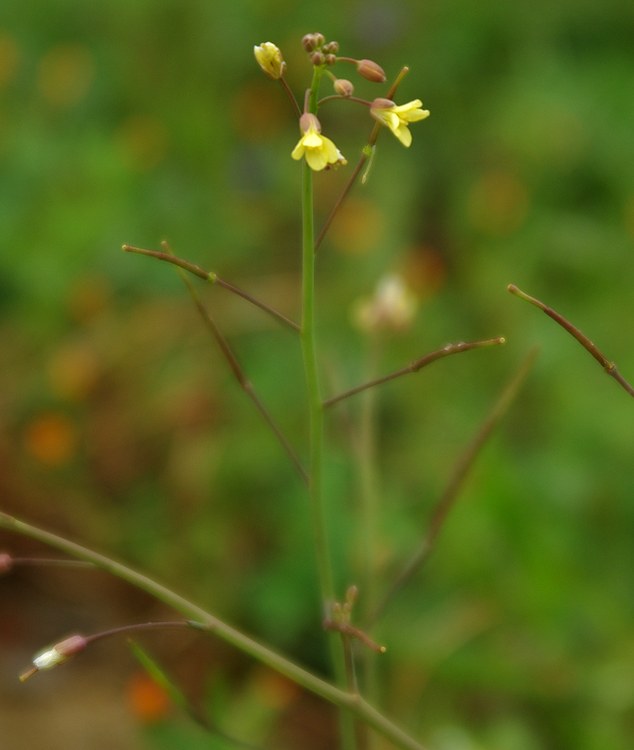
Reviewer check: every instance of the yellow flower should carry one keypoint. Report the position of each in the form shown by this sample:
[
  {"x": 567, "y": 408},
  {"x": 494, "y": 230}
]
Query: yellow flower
[
  {"x": 269, "y": 58},
  {"x": 318, "y": 150},
  {"x": 398, "y": 117}
]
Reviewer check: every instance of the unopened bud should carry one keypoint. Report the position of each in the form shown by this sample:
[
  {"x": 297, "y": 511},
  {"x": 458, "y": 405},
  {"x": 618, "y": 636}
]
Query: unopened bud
[
  {"x": 330, "y": 59},
  {"x": 308, "y": 42},
  {"x": 269, "y": 58},
  {"x": 6, "y": 562},
  {"x": 317, "y": 59},
  {"x": 343, "y": 87},
  {"x": 371, "y": 71},
  {"x": 57, "y": 654},
  {"x": 308, "y": 121},
  {"x": 331, "y": 48},
  {"x": 382, "y": 103}
]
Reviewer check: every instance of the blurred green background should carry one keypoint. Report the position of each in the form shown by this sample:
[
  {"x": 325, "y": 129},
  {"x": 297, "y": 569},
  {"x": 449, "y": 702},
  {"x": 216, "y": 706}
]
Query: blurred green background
[{"x": 121, "y": 426}]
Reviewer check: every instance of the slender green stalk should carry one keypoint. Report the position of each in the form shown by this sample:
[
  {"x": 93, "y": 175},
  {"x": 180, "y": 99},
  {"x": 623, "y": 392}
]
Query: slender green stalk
[
  {"x": 369, "y": 497},
  {"x": 316, "y": 436},
  {"x": 315, "y": 415},
  {"x": 316, "y": 426},
  {"x": 354, "y": 704}
]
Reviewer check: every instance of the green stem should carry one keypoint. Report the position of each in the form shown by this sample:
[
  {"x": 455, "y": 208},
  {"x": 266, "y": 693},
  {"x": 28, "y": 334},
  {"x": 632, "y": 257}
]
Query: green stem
[
  {"x": 354, "y": 704},
  {"x": 316, "y": 418},
  {"x": 316, "y": 426}
]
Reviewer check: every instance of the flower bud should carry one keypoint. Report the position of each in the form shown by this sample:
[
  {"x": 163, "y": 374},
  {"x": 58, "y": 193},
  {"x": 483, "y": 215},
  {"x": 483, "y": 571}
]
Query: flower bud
[
  {"x": 382, "y": 103},
  {"x": 308, "y": 42},
  {"x": 330, "y": 59},
  {"x": 269, "y": 58},
  {"x": 331, "y": 48},
  {"x": 55, "y": 655},
  {"x": 371, "y": 71},
  {"x": 343, "y": 87},
  {"x": 309, "y": 121},
  {"x": 317, "y": 59}
]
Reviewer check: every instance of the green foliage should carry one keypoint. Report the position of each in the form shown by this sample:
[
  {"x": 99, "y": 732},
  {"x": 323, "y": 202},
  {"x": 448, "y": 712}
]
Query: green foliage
[{"x": 142, "y": 121}]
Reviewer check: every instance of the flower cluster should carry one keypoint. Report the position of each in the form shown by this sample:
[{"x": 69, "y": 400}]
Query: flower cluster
[{"x": 320, "y": 152}]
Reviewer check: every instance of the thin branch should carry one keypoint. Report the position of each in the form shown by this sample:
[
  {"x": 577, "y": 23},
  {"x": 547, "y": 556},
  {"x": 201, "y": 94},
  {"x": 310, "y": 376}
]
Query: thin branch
[
  {"x": 8, "y": 562},
  {"x": 585, "y": 342},
  {"x": 366, "y": 153},
  {"x": 446, "y": 351},
  {"x": 212, "y": 278},
  {"x": 461, "y": 469},
  {"x": 243, "y": 381},
  {"x": 291, "y": 96},
  {"x": 207, "y": 622}
]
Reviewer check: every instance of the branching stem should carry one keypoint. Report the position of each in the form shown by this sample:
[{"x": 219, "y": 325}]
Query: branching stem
[
  {"x": 417, "y": 365},
  {"x": 461, "y": 469},
  {"x": 212, "y": 278},
  {"x": 354, "y": 704}
]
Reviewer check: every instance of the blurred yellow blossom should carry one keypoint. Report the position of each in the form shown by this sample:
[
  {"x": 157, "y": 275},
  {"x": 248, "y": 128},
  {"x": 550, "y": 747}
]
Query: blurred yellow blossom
[
  {"x": 398, "y": 117},
  {"x": 391, "y": 308},
  {"x": 318, "y": 150},
  {"x": 269, "y": 58}
]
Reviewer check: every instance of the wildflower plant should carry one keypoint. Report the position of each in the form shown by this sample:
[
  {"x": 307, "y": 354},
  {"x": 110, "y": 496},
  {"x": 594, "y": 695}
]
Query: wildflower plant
[{"x": 352, "y": 684}]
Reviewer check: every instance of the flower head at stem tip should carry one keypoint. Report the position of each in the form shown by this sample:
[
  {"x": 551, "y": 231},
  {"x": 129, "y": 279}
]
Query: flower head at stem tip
[
  {"x": 320, "y": 152},
  {"x": 55, "y": 655},
  {"x": 398, "y": 117},
  {"x": 269, "y": 57}
]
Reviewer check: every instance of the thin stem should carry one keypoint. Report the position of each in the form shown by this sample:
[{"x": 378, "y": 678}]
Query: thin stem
[
  {"x": 291, "y": 96},
  {"x": 139, "y": 627},
  {"x": 8, "y": 563},
  {"x": 316, "y": 423},
  {"x": 461, "y": 469},
  {"x": 209, "y": 623},
  {"x": 369, "y": 523},
  {"x": 245, "y": 384},
  {"x": 316, "y": 427},
  {"x": 585, "y": 342},
  {"x": 212, "y": 278},
  {"x": 366, "y": 153},
  {"x": 446, "y": 351}
]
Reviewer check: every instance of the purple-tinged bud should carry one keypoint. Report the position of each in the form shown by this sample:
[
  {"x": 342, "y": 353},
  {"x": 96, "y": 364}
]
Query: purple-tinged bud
[
  {"x": 371, "y": 71},
  {"x": 317, "y": 59},
  {"x": 57, "y": 654},
  {"x": 382, "y": 103},
  {"x": 331, "y": 48},
  {"x": 343, "y": 87},
  {"x": 309, "y": 121},
  {"x": 330, "y": 59},
  {"x": 320, "y": 39},
  {"x": 308, "y": 42},
  {"x": 6, "y": 563}
]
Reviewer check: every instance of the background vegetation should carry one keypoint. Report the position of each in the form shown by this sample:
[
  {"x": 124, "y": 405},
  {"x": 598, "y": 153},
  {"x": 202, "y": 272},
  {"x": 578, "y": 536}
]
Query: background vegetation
[{"x": 120, "y": 425}]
